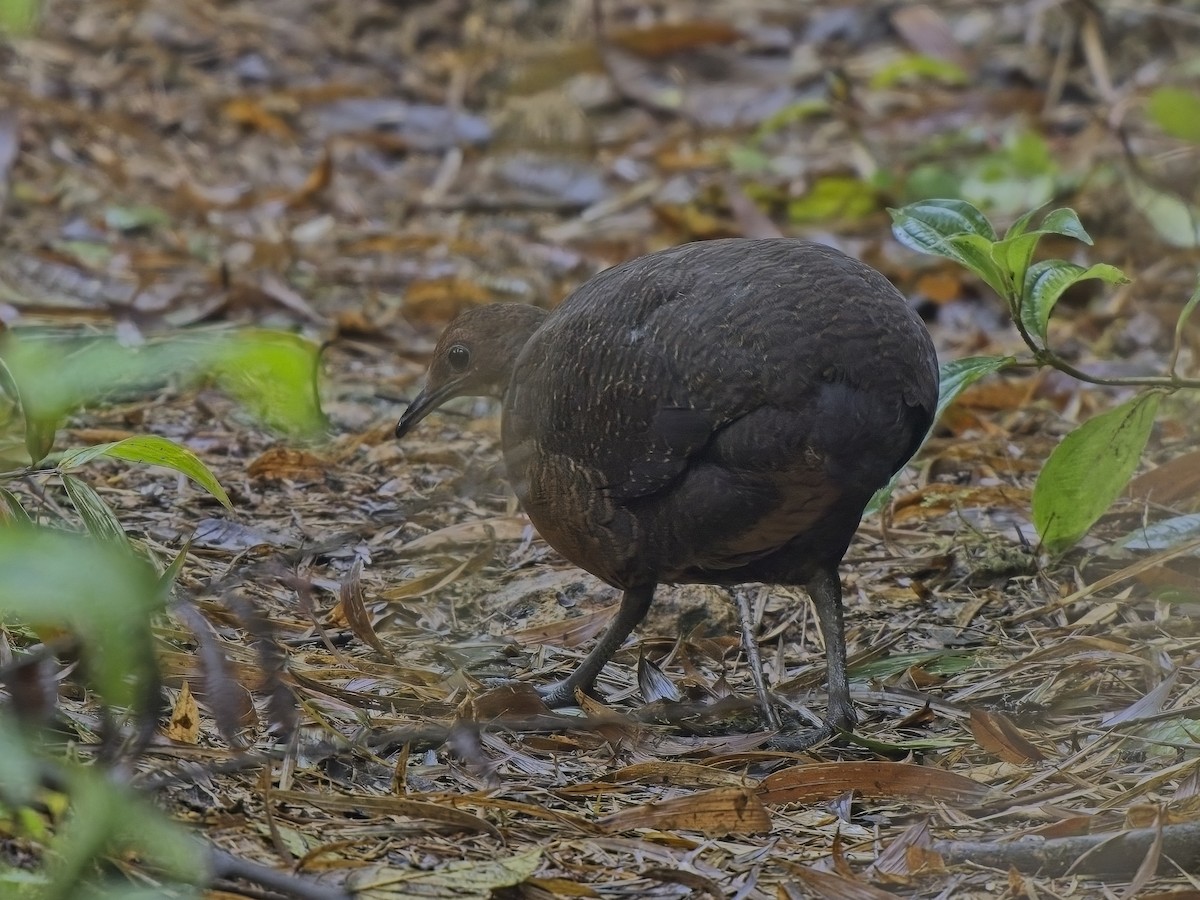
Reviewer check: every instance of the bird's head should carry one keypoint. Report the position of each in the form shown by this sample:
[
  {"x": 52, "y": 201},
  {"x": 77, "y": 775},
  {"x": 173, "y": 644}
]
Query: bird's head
[{"x": 474, "y": 357}]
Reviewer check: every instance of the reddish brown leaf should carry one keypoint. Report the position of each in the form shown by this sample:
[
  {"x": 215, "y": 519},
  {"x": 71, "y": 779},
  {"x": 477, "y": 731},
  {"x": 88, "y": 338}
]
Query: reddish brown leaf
[
  {"x": 999, "y": 736},
  {"x": 717, "y": 812},
  {"x": 816, "y": 782}
]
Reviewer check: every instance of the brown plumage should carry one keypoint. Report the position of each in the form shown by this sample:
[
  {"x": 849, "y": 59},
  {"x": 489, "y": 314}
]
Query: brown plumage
[{"x": 719, "y": 412}]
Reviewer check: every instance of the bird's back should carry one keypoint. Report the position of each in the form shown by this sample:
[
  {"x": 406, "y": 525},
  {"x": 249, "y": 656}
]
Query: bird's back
[{"x": 719, "y": 411}]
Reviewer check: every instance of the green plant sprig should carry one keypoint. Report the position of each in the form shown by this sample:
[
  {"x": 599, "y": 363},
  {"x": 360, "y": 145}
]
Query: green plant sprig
[{"x": 1092, "y": 464}]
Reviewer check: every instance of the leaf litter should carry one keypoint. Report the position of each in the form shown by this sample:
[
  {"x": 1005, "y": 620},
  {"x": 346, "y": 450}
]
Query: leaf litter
[{"x": 361, "y": 173}]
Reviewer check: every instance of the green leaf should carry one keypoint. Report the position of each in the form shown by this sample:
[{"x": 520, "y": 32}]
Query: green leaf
[
  {"x": 19, "y": 775},
  {"x": 109, "y": 819},
  {"x": 834, "y": 198},
  {"x": 957, "y": 375},
  {"x": 272, "y": 373},
  {"x": 155, "y": 451},
  {"x": 1177, "y": 112},
  {"x": 1089, "y": 469},
  {"x": 18, "y": 17},
  {"x": 1066, "y": 222},
  {"x": 275, "y": 376},
  {"x": 1018, "y": 228},
  {"x": 134, "y": 218},
  {"x": 98, "y": 590},
  {"x": 100, "y": 521},
  {"x": 168, "y": 578},
  {"x": 14, "y": 512},
  {"x": 1176, "y": 222},
  {"x": 941, "y": 218},
  {"x": 953, "y": 229},
  {"x": 1013, "y": 255},
  {"x": 1045, "y": 283},
  {"x": 915, "y": 67}
]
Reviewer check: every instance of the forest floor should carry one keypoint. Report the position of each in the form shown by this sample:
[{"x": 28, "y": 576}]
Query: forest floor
[{"x": 359, "y": 172}]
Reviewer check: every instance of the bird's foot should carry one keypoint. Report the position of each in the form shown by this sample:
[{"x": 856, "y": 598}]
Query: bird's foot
[
  {"x": 798, "y": 742},
  {"x": 558, "y": 694},
  {"x": 793, "y": 739}
]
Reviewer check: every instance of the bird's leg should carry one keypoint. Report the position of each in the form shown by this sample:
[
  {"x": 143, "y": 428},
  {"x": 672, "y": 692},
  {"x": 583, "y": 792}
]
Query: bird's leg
[
  {"x": 750, "y": 646},
  {"x": 825, "y": 588},
  {"x": 634, "y": 604}
]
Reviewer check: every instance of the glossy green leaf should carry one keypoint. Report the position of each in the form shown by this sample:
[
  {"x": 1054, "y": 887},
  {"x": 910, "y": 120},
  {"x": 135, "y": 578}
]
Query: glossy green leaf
[
  {"x": 1177, "y": 112},
  {"x": 957, "y": 375},
  {"x": 1045, "y": 283},
  {"x": 100, "y": 521},
  {"x": 931, "y": 219},
  {"x": 152, "y": 450},
  {"x": 1013, "y": 255},
  {"x": 1021, "y": 225},
  {"x": 1066, "y": 222},
  {"x": 953, "y": 229},
  {"x": 1089, "y": 469},
  {"x": 98, "y": 590}
]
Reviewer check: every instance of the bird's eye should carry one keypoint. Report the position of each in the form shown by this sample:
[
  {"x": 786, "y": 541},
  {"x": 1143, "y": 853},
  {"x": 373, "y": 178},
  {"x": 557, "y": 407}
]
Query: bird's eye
[{"x": 459, "y": 357}]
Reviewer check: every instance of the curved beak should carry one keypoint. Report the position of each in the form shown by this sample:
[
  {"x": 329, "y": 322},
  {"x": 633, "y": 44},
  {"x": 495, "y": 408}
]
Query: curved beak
[{"x": 422, "y": 405}]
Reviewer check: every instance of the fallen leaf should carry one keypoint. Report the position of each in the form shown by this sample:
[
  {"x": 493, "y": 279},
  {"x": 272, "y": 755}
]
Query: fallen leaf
[
  {"x": 820, "y": 782},
  {"x": 716, "y": 813}
]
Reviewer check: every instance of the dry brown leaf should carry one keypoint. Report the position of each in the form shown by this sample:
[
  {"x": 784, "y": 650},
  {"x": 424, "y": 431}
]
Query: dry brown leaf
[
  {"x": 283, "y": 463},
  {"x": 909, "y": 854},
  {"x": 716, "y": 813},
  {"x": 668, "y": 38},
  {"x": 680, "y": 774},
  {"x": 350, "y": 601},
  {"x": 389, "y": 806},
  {"x": 185, "y": 718},
  {"x": 253, "y": 114},
  {"x": 925, "y": 30},
  {"x": 1174, "y": 484},
  {"x": 830, "y": 886},
  {"x": 939, "y": 499},
  {"x": 821, "y": 782},
  {"x": 1000, "y": 737},
  {"x": 436, "y": 301}
]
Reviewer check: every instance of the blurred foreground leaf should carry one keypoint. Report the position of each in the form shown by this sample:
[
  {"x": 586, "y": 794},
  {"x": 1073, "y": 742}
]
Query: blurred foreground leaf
[
  {"x": 1177, "y": 112},
  {"x": 273, "y": 374},
  {"x": 99, "y": 591}
]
